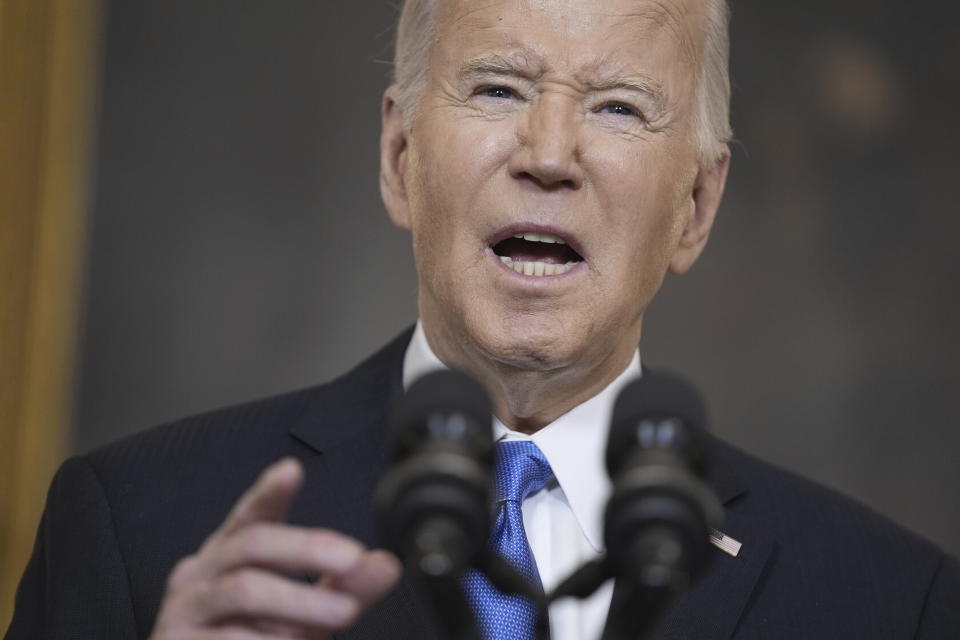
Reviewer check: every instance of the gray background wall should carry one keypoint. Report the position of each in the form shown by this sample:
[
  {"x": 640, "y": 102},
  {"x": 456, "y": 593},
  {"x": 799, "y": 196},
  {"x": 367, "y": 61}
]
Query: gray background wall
[{"x": 239, "y": 247}]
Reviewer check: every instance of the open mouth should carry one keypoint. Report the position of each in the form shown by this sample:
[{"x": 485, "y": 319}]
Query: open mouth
[{"x": 537, "y": 254}]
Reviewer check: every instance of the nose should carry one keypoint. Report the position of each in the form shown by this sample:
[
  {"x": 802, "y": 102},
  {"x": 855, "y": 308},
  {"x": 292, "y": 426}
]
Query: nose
[{"x": 548, "y": 152}]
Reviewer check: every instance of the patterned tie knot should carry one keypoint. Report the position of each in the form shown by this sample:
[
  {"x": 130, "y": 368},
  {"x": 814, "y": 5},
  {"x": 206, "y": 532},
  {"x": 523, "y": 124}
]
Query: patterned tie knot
[{"x": 520, "y": 469}]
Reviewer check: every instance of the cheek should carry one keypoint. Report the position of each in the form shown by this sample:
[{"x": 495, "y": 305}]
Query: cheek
[
  {"x": 639, "y": 202},
  {"x": 448, "y": 167},
  {"x": 447, "y": 172},
  {"x": 642, "y": 215},
  {"x": 453, "y": 176},
  {"x": 426, "y": 196}
]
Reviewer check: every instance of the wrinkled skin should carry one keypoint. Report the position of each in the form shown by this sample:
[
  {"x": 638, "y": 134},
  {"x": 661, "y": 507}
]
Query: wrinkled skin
[{"x": 570, "y": 115}]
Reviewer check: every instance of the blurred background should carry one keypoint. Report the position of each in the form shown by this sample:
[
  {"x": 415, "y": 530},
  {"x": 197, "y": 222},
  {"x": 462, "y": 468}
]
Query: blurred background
[{"x": 235, "y": 244}]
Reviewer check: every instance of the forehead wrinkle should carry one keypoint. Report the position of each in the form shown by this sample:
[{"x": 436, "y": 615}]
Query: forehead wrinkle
[
  {"x": 667, "y": 16},
  {"x": 518, "y": 58},
  {"x": 612, "y": 66},
  {"x": 473, "y": 7}
]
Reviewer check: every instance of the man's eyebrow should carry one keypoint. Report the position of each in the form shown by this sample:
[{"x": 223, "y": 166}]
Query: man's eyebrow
[
  {"x": 527, "y": 64},
  {"x": 641, "y": 84},
  {"x": 520, "y": 63}
]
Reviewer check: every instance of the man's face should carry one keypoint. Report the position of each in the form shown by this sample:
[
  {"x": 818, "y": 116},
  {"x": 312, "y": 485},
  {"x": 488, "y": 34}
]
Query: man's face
[{"x": 570, "y": 122}]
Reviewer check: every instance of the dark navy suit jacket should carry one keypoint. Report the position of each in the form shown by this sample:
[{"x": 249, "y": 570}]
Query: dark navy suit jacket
[{"x": 813, "y": 564}]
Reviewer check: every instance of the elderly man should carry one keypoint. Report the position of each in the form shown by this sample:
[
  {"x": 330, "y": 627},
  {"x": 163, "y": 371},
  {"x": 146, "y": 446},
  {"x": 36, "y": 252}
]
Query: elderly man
[{"x": 552, "y": 159}]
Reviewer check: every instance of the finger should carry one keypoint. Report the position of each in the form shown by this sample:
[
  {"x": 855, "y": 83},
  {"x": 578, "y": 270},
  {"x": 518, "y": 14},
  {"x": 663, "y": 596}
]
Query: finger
[
  {"x": 290, "y": 631},
  {"x": 287, "y": 630},
  {"x": 283, "y": 548},
  {"x": 368, "y": 580},
  {"x": 240, "y": 632},
  {"x": 268, "y": 499},
  {"x": 240, "y": 629},
  {"x": 264, "y": 629},
  {"x": 253, "y": 594}
]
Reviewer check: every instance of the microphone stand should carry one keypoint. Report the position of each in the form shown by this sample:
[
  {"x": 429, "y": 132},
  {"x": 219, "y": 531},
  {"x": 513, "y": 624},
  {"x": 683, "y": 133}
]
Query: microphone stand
[
  {"x": 438, "y": 554},
  {"x": 657, "y": 568},
  {"x": 640, "y": 595},
  {"x": 634, "y": 610},
  {"x": 634, "y": 607},
  {"x": 435, "y": 560},
  {"x": 506, "y": 579}
]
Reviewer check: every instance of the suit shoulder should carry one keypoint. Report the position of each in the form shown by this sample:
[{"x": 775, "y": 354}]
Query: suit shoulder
[
  {"x": 829, "y": 554},
  {"x": 804, "y": 505},
  {"x": 242, "y": 438},
  {"x": 224, "y": 428},
  {"x": 829, "y": 543}
]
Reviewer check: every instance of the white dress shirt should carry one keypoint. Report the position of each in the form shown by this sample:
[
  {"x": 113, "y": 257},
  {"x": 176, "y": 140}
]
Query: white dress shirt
[{"x": 564, "y": 521}]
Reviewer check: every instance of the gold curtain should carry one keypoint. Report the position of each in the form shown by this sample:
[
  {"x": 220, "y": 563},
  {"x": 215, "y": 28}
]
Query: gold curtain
[{"x": 49, "y": 71}]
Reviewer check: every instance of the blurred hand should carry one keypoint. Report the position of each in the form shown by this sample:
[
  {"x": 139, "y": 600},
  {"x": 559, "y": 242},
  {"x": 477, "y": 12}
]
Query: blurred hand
[{"x": 234, "y": 586}]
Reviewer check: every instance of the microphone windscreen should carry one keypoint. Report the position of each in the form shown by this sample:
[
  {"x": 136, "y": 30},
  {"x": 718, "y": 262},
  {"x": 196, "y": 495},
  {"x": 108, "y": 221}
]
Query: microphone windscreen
[
  {"x": 444, "y": 405},
  {"x": 656, "y": 411}
]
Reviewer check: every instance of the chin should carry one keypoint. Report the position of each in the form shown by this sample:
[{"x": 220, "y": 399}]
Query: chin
[{"x": 525, "y": 342}]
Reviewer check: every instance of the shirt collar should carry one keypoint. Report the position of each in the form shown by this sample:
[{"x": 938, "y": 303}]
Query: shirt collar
[
  {"x": 574, "y": 444},
  {"x": 419, "y": 359}
]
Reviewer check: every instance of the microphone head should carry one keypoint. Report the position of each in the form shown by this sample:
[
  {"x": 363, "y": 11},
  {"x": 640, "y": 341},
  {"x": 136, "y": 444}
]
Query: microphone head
[
  {"x": 433, "y": 500},
  {"x": 657, "y": 521},
  {"x": 656, "y": 413},
  {"x": 443, "y": 408}
]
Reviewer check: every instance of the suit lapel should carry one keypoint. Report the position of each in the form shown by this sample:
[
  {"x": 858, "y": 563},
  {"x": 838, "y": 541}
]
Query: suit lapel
[
  {"x": 712, "y": 607},
  {"x": 343, "y": 432}
]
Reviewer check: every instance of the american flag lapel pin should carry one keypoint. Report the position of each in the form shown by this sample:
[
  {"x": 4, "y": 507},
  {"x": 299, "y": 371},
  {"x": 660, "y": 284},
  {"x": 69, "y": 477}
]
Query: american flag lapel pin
[{"x": 725, "y": 543}]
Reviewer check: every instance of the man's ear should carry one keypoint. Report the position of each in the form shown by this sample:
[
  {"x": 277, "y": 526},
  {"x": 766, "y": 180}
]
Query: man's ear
[
  {"x": 707, "y": 194},
  {"x": 393, "y": 160}
]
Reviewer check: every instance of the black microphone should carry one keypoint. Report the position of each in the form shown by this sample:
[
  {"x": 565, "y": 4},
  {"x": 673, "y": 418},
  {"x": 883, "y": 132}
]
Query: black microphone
[
  {"x": 658, "y": 519},
  {"x": 433, "y": 501}
]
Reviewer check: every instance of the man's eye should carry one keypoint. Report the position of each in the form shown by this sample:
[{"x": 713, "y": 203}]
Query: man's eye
[
  {"x": 618, "y": 109},
  {"x": 497, "y": 92}
]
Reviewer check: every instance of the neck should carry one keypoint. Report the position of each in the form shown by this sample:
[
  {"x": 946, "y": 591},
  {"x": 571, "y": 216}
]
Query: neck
[{"x": 528, "y": 399}]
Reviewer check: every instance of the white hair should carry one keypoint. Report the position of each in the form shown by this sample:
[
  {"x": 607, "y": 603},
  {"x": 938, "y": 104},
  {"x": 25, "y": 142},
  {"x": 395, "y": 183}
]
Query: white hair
[{"x": 711, "y": 118}]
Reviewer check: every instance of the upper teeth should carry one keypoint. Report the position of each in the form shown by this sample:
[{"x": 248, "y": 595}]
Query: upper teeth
[{"x": 539, "y": 237}]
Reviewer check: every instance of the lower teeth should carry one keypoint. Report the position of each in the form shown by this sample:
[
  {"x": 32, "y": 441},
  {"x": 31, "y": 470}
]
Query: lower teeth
[{"x": 537, "y": 268}]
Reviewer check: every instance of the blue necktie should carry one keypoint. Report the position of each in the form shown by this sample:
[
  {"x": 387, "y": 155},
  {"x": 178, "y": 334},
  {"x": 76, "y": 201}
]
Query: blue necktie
[{"x": 520, "y": 470}]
